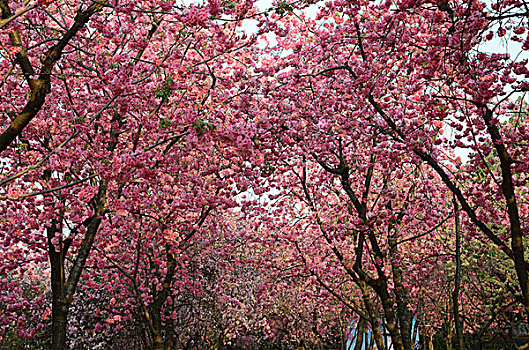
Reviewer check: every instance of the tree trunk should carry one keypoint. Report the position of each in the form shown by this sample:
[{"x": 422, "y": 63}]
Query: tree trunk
[
  {"x": 159, "y": 300},
  {"x": 360, "y": 331},
  {"x": 375, "y": 327},
  {"x": 449, "y": 334},
  {"x": 455, "y": 295},
  {"x": 170, "y": 336},
  {"x": 391, "y": 319},
  {"x": 63, "y": 290},
  {"x": 59, "y": 323},
  {"x": 401, "y": 297},
  {"x": 509, "y": 193},
  {"x": 59, "y": 307},
  {"x": 158, "y": 342}
]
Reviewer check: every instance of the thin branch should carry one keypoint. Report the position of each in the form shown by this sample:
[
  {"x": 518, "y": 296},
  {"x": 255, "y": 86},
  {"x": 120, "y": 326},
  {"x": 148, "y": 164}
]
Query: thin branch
[
  {"x": 41, "y": 86},
  {"x": 53, "y": 189},
  {"x": 17, "y": 13}
]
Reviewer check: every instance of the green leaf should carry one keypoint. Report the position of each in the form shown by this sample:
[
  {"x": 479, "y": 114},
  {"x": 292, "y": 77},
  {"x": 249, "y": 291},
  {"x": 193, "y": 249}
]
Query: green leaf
[
  {"x": 282, "y": 7},
  {"x": 165, "y": 90},
  {"x": 203, "y": 127},
  {"x": 165, "y": 123}
]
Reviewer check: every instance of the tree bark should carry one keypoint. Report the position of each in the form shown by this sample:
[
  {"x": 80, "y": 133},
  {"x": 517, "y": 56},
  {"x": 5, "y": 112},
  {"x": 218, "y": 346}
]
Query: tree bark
[
  {"x": 403, "y": 312},
  {"x": 360, "y": 331},
  {"x": 455, "y": 295},
  {"x": 509, "y": 193},
  {"x": 59, "y": 308},
  {"x": 159, "y": 301},
  {"x": 391, "y": 319},
  {"x": 170, "y": 335},
  {"x": 63, "y": 290},
  {"x": 374, "y": 318},
  {"x": 41, "y": 86}
]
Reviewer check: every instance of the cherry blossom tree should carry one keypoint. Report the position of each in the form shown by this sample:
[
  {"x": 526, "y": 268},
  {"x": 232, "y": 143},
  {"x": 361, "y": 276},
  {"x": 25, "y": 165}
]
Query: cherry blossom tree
[
  {"x": 125, "y": 98},
  {"x": 413, "y": 70}
]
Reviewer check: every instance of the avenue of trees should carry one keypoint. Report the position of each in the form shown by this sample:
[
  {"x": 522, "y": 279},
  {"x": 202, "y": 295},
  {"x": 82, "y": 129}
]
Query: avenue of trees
[{"x": 345, "y": 171}]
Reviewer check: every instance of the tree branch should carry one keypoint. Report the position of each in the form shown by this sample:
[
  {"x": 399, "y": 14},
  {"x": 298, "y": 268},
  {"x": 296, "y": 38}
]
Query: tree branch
[{"x": 41, "y": 86}]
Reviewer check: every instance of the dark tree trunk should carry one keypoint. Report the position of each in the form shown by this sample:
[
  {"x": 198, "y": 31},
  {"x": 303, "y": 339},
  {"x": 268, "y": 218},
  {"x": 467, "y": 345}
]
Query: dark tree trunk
[
  {"x": 63, "y": 289},
  {"x": 375, "y": 318},
  {"x": 159, "y": 301},
  {"x": 391, "y": 319},
  {"x": 59, "y": 308},
  {"x": 59, "y": 323},
  {"x": 455, "y": 295},
  {"x": 170, "y": 335},
  {"x": 403, "y": 312},
  {"x": 360, "y": 331}
]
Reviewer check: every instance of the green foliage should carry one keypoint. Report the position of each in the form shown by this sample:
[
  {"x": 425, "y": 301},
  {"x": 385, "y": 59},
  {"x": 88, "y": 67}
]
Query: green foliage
[
  {"x": 165, "y": 123},
  {"x": 229, "y": 4},
  {"x": 203, "y": 127},
  {"x": 79, "y": 120},
  {"x": 283, "y": 7},
  {"x": 164, "y": 91}
]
